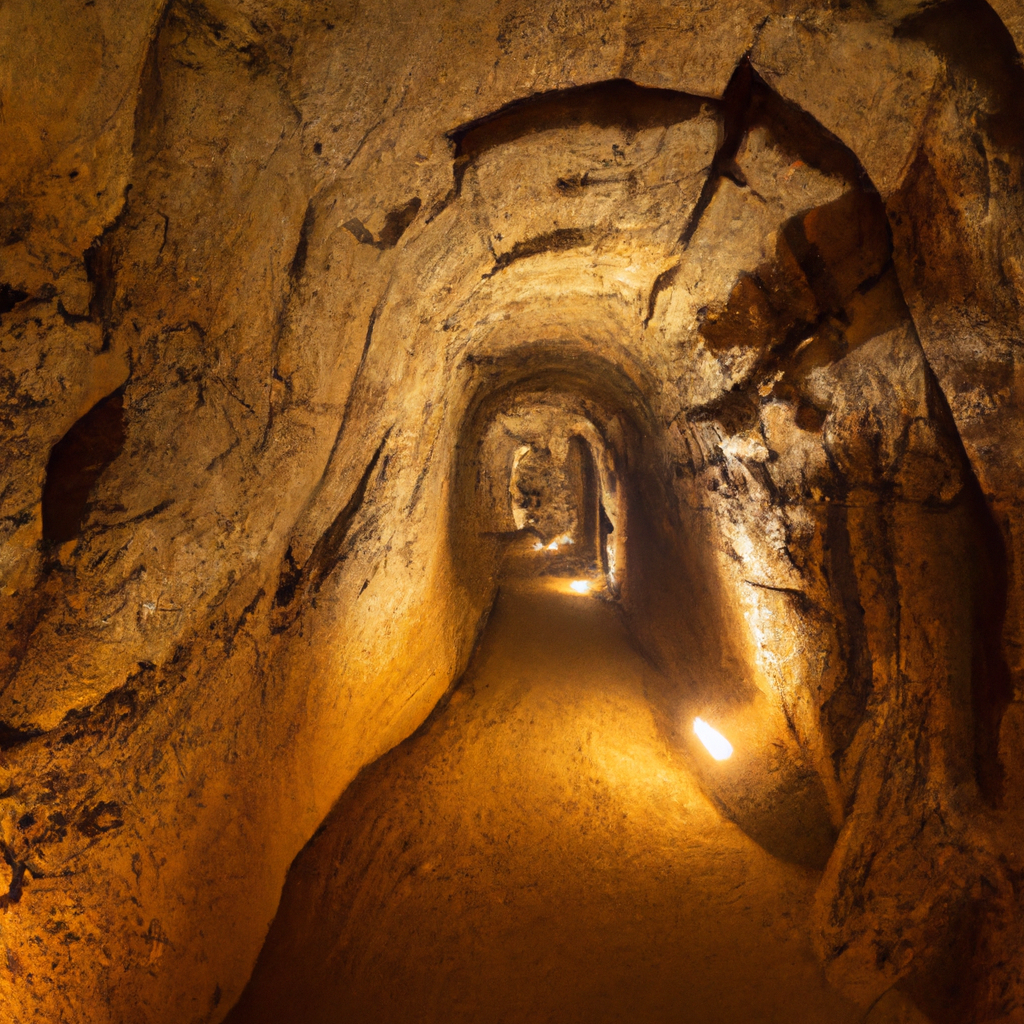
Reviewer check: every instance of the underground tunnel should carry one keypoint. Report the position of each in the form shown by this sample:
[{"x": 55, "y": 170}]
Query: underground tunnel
[{"x": 509, "y": 512}]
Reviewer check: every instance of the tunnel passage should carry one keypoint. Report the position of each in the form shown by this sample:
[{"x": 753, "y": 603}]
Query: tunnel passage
[
  {"x": 542, "y": 835},
  {"x": 550, "y": 479},
  {"x": 721, "y": 460},
  {"x": 664, "y": 575},
  {"x": 743, "y": 375},
  {"x": 279, "y": 573},
  {"x": 539, "y": 852}
]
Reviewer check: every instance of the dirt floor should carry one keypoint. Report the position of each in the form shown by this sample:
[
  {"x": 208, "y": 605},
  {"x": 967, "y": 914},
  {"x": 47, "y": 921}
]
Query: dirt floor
[{"x": 535, "y": 853}]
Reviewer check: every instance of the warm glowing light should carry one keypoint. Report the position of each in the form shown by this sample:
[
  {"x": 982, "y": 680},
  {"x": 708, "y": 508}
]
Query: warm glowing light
[
  {"x": 538, "y": 546},
  {"x": 553, "y": 546},
  {"x": 718, "y": 746},
  {"x": 580, "y": 586}
]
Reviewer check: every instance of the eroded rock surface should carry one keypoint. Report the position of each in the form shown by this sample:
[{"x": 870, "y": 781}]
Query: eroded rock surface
[{"x": 269, "y": 276}]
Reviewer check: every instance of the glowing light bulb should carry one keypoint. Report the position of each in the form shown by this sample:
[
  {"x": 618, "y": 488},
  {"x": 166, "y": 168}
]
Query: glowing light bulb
[
  {"x": 580, "y": 586},
  {"x": 718, "y": 746}
]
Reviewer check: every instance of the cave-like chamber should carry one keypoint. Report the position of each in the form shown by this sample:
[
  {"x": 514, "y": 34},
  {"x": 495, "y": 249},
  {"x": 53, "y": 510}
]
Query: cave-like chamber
[{"x": 511, "y": 515}]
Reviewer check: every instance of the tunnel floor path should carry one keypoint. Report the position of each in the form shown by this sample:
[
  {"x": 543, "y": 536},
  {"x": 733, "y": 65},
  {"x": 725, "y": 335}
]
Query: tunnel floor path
[{"x": 538, "y": 853}]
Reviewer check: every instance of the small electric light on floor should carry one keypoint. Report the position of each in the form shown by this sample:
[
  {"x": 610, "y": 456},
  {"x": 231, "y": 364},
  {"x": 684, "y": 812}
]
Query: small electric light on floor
[
  {"x": 580, "y": 587},
  {"x": 718, "y": 746}
]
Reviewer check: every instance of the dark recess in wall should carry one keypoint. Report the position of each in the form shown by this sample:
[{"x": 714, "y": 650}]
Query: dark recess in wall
[
  {"x": 10, "y": 297},
  {"x": 76, "y": 463},
  {"x": 991, "y": 682}
]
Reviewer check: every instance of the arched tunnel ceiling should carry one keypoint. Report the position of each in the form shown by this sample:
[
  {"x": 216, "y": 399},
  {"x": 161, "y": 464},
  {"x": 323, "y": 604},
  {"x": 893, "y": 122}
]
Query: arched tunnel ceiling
[{"x": 263, "y": 266}]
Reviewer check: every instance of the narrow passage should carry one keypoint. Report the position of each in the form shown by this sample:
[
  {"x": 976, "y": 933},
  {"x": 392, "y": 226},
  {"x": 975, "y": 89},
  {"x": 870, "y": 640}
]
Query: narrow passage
[{"x": 538, "y": 853}]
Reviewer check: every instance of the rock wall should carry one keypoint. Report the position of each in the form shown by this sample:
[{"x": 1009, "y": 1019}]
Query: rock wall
[{"x": 262, "y": 267}]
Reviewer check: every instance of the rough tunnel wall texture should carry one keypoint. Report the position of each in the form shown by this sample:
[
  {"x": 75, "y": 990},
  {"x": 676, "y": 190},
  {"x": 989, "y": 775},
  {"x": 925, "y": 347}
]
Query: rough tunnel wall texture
[{"x": 298, "y": 246}]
